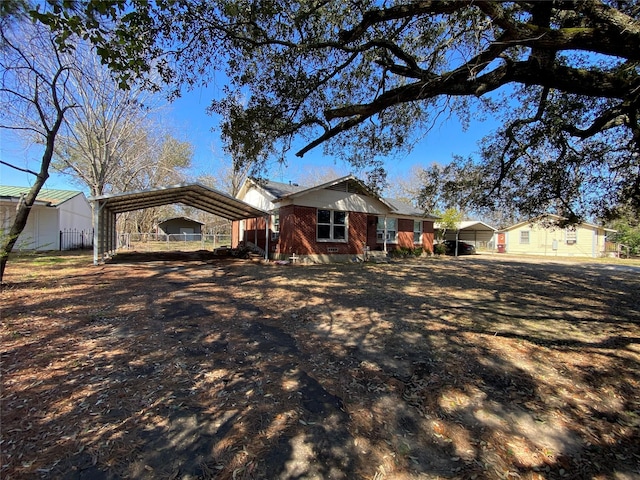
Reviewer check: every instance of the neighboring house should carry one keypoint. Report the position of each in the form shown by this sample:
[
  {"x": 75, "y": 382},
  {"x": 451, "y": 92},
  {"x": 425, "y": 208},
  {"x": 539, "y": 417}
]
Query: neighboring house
[
  {"x": 478, "y": 234},
  {"x": 335, "y": 221},
  {"x": 539, "y": 236},
  {"x": 59, "y": 219},
  {"x": 191, "y": 229}
]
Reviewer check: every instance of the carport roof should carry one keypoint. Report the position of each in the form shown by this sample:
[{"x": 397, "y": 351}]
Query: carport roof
[
  {"x": 472, "y": 225},
  {"x": 193, "y": 194}
]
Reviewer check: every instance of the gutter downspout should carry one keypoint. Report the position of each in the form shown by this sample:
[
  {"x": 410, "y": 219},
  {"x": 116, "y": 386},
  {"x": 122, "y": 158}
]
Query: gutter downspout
[{"x": 267, "y": 219}]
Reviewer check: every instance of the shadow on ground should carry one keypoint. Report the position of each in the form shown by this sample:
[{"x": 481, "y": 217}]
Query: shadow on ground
[{"x": 455, "y": 368}]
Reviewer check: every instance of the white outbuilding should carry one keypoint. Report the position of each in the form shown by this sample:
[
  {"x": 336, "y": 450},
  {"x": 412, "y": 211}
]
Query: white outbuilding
[{"x": 59, "y": 219}]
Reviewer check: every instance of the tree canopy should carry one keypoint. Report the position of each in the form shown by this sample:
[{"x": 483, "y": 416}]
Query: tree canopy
[{"x": 366, "y": 78}]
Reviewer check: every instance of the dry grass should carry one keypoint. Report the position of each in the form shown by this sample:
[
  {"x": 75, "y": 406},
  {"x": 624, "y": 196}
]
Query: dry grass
[{"x": 478, "y": 367}]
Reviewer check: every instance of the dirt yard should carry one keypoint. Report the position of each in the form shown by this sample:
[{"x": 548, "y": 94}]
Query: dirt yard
[{"x": 182, "y": 368}]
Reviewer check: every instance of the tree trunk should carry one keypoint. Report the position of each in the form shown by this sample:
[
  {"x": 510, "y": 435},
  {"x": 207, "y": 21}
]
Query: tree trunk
[
  {"x": 20, "y": 221},
  {"x": 24, "y": 206}
]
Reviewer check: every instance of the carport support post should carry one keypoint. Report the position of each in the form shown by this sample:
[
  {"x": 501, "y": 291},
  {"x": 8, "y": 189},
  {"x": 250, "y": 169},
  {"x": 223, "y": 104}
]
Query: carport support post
[
  {"x": 112, "y": 233},
  {"x": 97, "y": 209}
]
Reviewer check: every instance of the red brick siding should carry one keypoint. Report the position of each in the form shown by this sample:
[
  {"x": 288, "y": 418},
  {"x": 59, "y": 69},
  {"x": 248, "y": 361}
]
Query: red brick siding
[
  {"x": 357, "y": 232},
  {"x": 235, "y": 234},
  {"x": 405, "y": 233},
  {"x": 427, "y": 235},
  {"x": 297, "y": 229},
  {"x": 250, "y": 226},
  {"x": 254, "y": 231},
  {"x": 372, "y": 231},
  {"x": 298, "y": 233}
]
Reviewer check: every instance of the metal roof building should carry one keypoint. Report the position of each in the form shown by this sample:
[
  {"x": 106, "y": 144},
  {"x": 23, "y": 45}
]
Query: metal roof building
[
  {"x": 46, "y": 196},
  {"x": 106, "y": 207},
  {"x": 57, "y": 220}
]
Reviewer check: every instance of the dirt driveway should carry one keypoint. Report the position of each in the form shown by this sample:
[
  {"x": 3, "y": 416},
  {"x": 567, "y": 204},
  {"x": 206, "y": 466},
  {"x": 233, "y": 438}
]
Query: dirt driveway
[{"x": 477, "y": 367}]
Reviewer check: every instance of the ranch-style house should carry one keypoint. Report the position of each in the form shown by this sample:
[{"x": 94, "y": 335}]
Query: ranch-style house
[{"x": 340, "y": 220}]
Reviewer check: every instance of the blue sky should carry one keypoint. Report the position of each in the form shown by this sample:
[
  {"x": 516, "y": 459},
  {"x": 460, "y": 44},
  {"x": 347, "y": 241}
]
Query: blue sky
[
  {"x": 190, "y": 122},
  {"x": 444, "y": 141}
]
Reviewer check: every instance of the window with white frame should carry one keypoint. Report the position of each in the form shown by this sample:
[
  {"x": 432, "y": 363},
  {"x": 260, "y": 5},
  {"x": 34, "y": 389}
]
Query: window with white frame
[
  {"x": 524, "y": 237},
  {"x": 391, "y": 229},
  {"x": 332, "y": 226},
  {"x": 571, "y": 236},
  {"x": 417, "y": 231},
  {"x": 275, "y": 226}
]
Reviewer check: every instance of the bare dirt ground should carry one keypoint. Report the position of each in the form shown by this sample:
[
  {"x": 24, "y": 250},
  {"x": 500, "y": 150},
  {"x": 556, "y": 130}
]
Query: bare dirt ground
[{"x": 175, "y": 367}]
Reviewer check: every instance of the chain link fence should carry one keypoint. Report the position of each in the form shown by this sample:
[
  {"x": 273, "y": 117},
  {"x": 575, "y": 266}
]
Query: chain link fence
[{"x": 159, "y": 242}]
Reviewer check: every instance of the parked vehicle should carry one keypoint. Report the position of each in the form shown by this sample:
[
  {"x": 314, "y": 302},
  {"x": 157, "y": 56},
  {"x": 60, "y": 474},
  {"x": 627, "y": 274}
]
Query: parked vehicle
[{"x": 463, "y": 248}]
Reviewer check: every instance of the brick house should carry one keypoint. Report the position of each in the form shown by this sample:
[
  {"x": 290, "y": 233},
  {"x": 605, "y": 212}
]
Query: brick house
[{"x": 335, "y": 221}]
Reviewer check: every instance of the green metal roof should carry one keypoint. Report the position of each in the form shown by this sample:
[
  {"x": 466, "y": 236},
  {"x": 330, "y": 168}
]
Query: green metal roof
[{"x": 48, "y": 196}]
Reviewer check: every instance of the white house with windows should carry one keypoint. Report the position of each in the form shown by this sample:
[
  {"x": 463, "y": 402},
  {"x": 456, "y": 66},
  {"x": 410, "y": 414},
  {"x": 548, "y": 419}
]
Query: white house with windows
[
  {"x": 542, "y": 236},
  {"x": 334, "y": 221}
]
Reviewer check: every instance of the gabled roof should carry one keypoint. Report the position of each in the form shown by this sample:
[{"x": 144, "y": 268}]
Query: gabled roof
[
  {"x": 349, "y": 184},
  {"x": 403, "y": 208},
  {"x": 279, "y": 189},
  {"x": 46, "y": 196},
  {"x": 179, "y": 218},
  {"x": 272, "y": 189},
  {"x": 553, "y": 217},
  {"x": 278, "y": 192},
  {"x": 193, "y": 195}
]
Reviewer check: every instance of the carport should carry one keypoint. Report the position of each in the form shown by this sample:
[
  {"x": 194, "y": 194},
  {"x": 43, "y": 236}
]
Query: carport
[
  {"x": 471, "y": 231},
  {"x": 106, "y": 207}
]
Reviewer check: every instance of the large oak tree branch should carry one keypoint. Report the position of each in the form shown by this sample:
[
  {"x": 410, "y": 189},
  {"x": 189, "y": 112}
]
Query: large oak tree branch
[
  {"x": 373, "y": 17},
  {"x": 580, "y": 82}
]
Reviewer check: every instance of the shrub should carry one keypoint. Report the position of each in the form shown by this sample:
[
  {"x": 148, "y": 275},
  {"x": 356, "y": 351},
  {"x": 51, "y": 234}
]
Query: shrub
[
  {"x": 405, "y": 252},
  {"x": 439, "y": 249}
]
